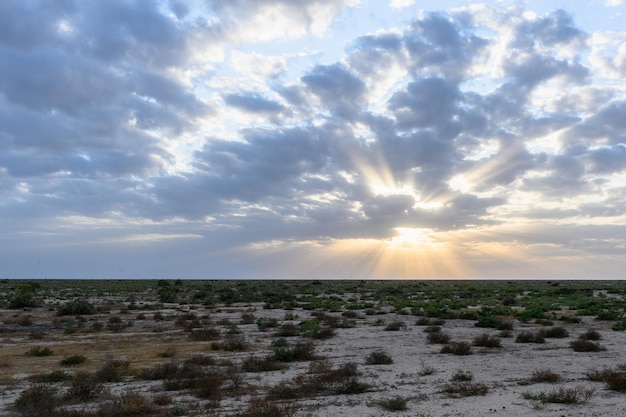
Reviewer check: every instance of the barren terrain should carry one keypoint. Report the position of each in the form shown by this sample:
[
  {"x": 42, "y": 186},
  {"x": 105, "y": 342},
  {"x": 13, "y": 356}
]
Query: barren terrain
[{"x": 312, "y": 349}]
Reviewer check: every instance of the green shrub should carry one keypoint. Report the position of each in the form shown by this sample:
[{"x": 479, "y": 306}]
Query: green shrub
[
  {"x": 396, "y": 403},
  {"x": 462, "y": 376},
  {"x": 264, "y": 323},
  {"x": 310, "y": 328},
  {"x": 280, "y": 342},
  {"x": 488, "y": 321}
]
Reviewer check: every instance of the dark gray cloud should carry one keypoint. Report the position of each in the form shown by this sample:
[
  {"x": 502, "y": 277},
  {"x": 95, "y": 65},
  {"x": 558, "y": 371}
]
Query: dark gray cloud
[
  {"x": 340, "y": 90},
  {"x": 253, "y": 102}
]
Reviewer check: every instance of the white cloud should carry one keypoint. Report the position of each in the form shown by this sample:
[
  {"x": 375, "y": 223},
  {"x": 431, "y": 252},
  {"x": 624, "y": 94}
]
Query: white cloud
[
  {"x": 401, "y": 4},
  {"x": 613, "y": 3},
  {"x": 257, "y": 66}
]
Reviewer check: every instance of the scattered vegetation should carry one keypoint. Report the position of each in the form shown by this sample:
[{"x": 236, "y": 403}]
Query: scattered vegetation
[
  {"x": 219, "y": 315},
  {"x": 562, "y": 395}
]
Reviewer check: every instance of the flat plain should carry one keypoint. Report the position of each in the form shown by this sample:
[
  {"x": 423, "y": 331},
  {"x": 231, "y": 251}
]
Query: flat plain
[{"x": 312, "y": 348}]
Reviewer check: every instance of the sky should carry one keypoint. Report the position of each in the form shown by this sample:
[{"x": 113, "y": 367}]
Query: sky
[{"x": 320, "y": 139}]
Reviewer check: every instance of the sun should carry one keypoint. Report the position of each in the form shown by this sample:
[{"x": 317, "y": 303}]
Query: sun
[{"x": 411, "y": 238}]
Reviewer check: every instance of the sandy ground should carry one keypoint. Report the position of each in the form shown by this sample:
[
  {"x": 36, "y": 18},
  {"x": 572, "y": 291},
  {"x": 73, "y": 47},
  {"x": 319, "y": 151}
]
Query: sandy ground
[{"x": 506, "y": 371}]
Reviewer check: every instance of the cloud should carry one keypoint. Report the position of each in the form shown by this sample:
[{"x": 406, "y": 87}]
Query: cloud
[{"x": 453, "y": 123}]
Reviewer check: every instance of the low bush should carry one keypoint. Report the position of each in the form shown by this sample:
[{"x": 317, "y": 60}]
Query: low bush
[
  {"x": 247, "y": 318},
  {"x": 204, "y": 334},
  {"x": 302, "y": 351},
  {"x": 39, "y": 351},
  {"x": 396, "y": 403},
  {"x": 378, "y": 358},
  {"x": 395, "y": 326},
  {"x": 325, "y": 381},
  {"x": 529, "y": 337},
  {"x": 486, "y": 340},
  {"x": 462, "y": 376},
  {"x": 488, "y": 321},
  {"x": 432, "y": 329},
  {"x": 422, "y": 321},
  {"x": 84, "y": 387},
  {"x": 545, "y": 375},
  {"x": 596, "y": 375},
  {"x": 76, "y": 307},
  {"x": 264, "y": 364},
  {"x": 234, "y": 343},
  {"x": 52, "y": 376},
  {"x": 287, "y": 330},
  {"x": 465, "y": 389},
  {"x": 113, "y": 370},
  {"x": 590, "y": 334},
  {"x": 554, "y": 332},
  {"x": 280, "y": 342},
  {"x": 37, "y": 401},
  {"x": 309, "y": 328},
  {"x": 615, "y": 380},
  {"x": 586, "y": 346},
  {"x": 438, "y": 338},
  {"x": 575, "y": 395},
  {"x": 264, "y": 323},
  {"x": 266, "y": 407},
  {"x": 130, "y": 404},
  {"x": 73, "y": 360},
  {"x": 457, "y": 348},
  {"x": 505, "y": 325}
]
